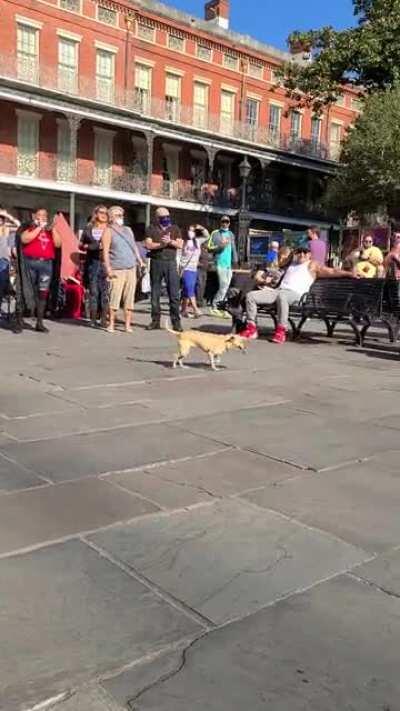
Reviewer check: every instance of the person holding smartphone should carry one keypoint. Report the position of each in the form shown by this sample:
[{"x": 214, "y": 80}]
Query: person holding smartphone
[{"x": 36, "y": 245}]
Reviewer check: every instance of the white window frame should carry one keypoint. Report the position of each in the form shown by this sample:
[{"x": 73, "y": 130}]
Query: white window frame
[
  {"x": 226, "y": 54},
  {"x": 275, "y": 131},
  {"x": 98, "y": 6},
  {"x": 143, "y": 106},
  {"x": 203, "y": 59},
  {"x": 296, "y": 137},
  {"x": 316, "y": 140},
  {"x": 227, "y": 127},
  {"x": 174, "y": 49},
  {"x": 200, "y": 112},
  {"x": 66, "y": 161},
  {"x": 145, "y": 39},
  {"x": 75, "y": 12},
  {"x": 256, "y": 102},
  {"x": 32, "y": 75},
  {"x": 102, "y": 175},
  {"x": 109, "y": 97},
  {"x": 73, "y": 87},
  {"x": 335, "y": 146},
  {"x": 173, "y": 104},
  {"x": 35, "y": 118}
]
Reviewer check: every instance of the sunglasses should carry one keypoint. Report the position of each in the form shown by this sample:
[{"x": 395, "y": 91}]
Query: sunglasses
[{"x": 102, "y": 212}]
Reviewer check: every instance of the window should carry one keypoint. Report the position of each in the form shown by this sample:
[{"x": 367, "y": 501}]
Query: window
[
  {"x": 200, "y": 105},
  {"x": 146, "y": 32},
  {"x": 109, "y": 17},
  {"x": 275, "y": 115},
  {"x": 315, "y": 130},
  {"x": 204, "y": 52},
  {"x": 227, "y": 112},
  {"x": 68, "y": 65},
  {"x": 295, "y": 126},
  {"x": 71, "y": 5},
  {"x": 255, "y": 70},
  {"x": 340, "y": 101},
  {"x": 28, "y": 144},
  {"x": 176, "y": 43},
  {"x": 143, "y": 87},
  {"x": 27, "y": 53},
  {"x": 105, "y": 75},
  {"x": 65, "y": 159},
  {"x": 252, "y": 115},
  {"x": 230, "y": 61},
  {"x": 356, "y": 104},
  {"x": 335, "y": 137},
  {"x": 103, "y": 157},
  {"x": 172, "y": 97}
]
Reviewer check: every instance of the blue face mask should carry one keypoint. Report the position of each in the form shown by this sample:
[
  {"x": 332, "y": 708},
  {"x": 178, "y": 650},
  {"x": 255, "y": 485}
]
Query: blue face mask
[
  {"x": 165, "y": 222},
  {"x": 225, "y": 229}
]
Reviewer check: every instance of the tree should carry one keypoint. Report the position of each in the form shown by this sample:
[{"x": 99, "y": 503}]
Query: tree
[
  {"x": 366, "y": 56},
  {"x": 368, "y": 180}
]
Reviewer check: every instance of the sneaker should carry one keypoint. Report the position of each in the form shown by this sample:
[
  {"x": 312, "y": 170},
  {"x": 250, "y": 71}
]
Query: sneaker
[
  {"x": 153, "y": 326},
  {"x": 250, "y": 332},
  {"x": 279, "y": 336}
]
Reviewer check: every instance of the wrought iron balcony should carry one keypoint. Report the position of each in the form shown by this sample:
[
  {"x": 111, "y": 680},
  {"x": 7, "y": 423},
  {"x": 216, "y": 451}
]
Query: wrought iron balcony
[{"x": 169, "y": 110}]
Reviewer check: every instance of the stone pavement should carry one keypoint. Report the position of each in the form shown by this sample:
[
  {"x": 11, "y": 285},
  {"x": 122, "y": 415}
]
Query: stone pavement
[{"x": 188, "y": 540}]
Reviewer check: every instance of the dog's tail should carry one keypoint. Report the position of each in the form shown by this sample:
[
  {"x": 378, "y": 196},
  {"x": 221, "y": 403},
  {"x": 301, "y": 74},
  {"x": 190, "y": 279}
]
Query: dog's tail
[{"x": 167, "y": 326}]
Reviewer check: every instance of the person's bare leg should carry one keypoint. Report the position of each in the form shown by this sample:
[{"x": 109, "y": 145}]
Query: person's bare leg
[
  {"x": 111, "y": 326},
  {"x": 128, "y": 320},
  {"x": 185, "y": 305},
  {"x": 194, "y": 306}
]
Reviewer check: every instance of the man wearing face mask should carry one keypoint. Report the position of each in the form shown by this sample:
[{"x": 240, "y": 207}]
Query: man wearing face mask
[
  {"x": 222, "y": 245},
  {"x": 163, "y": 239}
]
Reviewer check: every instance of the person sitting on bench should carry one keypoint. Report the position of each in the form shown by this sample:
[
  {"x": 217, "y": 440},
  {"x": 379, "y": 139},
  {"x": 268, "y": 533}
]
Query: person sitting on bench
[{"x": 297, "y": 281}]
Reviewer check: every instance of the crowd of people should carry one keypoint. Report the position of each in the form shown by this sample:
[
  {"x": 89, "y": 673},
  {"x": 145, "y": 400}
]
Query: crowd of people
[{"x": 112, "y": 266}]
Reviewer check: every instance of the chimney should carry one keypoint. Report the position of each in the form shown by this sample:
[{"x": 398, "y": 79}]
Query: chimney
[{"x": 218, "y": 12}]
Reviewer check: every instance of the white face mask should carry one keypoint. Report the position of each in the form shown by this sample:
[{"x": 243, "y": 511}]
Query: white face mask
[
  {"x": 191, "y": 234},
  {"x": 119, "y": 221}
]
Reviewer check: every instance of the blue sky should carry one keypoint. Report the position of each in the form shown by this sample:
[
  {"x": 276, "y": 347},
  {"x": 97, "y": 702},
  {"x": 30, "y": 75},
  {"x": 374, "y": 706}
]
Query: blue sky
[{"x": 271, "y": 21}]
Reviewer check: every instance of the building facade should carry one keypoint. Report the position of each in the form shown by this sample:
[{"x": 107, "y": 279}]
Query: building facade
[{"x": 137, "y": 103}]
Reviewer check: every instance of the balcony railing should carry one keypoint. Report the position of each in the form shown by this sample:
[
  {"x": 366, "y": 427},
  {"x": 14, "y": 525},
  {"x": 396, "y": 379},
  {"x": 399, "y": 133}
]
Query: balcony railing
[{"x": 169, "y": 110}]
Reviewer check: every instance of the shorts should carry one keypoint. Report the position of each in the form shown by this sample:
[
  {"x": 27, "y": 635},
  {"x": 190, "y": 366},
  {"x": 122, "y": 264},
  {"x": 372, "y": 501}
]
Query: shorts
[
  {"x": 189, "y": 281},
  {"x": 122, "y": 288},
  {"x": 41, "y": 272}
]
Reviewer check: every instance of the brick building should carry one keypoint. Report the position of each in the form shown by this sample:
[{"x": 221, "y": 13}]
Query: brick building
[{"x": 135, "y": 102}]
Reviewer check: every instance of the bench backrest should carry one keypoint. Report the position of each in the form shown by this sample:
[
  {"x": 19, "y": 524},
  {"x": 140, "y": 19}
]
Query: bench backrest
[{"x": 341, "y": 295}]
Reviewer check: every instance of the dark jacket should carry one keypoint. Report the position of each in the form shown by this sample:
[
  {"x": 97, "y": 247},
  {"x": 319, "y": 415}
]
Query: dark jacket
[{"x": 167, "y": 253}]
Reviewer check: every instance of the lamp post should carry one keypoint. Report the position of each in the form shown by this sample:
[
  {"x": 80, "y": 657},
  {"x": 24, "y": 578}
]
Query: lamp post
[{"x": 244, "y": 219}]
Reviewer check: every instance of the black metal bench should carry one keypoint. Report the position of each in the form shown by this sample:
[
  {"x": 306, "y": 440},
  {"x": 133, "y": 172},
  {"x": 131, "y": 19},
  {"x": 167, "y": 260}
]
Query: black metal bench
[{"x": 356, "y": 302}]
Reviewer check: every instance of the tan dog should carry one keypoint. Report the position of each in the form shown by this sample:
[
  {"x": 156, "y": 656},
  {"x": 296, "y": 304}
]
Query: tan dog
[{"x": 214, "y": 345}]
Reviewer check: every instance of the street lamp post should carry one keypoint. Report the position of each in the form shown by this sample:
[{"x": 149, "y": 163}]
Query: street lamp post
[{"x": 244, "y": 219}]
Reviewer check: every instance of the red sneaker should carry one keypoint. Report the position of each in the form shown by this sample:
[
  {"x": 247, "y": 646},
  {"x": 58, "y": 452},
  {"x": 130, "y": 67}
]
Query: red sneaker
[
  {"x": 250, "y": 332},
  {"x": 279, "y": 335}
]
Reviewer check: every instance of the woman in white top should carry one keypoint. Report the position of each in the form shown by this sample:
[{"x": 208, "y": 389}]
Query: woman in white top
[
  {"x": 297, "y": 281},
  {"x": 189, "y": 265}
]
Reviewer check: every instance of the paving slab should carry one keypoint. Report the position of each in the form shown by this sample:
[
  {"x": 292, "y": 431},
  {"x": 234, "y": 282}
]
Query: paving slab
[
  {"x": 54, "y": 511},
  {"x": 334, "y": 647},
  {"x": 69, "y": 615},
  {"x": 92, "y": 698},
  {"x": 296, "y": 435},
  {"x": 14, "y": 477},
  {"x": 165, "y": 494},
  {"x": 230, "y": 559},
  {"x": 359, "y": 504},
  {"x": 384, "y": 572},
  {"x": 23, "y": 400},
  {"x": 78, "y": 456},
  {"x": 226, "y": 473},
  {"x": 79, "y": 420}
]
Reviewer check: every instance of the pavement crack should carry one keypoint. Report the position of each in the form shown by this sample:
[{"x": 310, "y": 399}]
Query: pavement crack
[
  {"x": 132, "y": 703},
  {"x": 374, "y": 586}
]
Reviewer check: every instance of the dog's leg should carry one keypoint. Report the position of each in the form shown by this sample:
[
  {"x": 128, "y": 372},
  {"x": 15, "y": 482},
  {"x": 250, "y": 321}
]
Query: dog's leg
[{"x": 212, "y": 361}]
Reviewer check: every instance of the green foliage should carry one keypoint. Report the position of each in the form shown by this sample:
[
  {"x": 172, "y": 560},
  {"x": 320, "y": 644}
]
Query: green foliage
[
  {"x": 369, "y": 178},
  {"x": 367, "y": 56}
]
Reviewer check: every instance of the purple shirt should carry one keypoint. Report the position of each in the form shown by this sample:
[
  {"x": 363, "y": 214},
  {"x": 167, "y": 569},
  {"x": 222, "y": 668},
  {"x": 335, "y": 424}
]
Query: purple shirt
[{"x": 318, "y": 250}]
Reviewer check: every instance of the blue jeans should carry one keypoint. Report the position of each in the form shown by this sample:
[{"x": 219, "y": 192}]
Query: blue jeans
[
  {"x": 224, "y": 281},
  {"x": 4, "y": 278},
  {"x": 98, "y": 286}
]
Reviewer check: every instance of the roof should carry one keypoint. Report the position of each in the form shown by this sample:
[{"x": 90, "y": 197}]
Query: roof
[{"x": 195, "y": 23}]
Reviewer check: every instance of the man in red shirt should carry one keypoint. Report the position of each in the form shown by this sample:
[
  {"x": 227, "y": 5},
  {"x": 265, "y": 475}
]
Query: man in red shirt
[{"x": 38, "y": 250}]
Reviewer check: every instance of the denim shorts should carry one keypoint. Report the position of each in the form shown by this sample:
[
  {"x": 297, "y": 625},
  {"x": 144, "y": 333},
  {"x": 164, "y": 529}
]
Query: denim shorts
[{"x": 41, "y": 272}]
